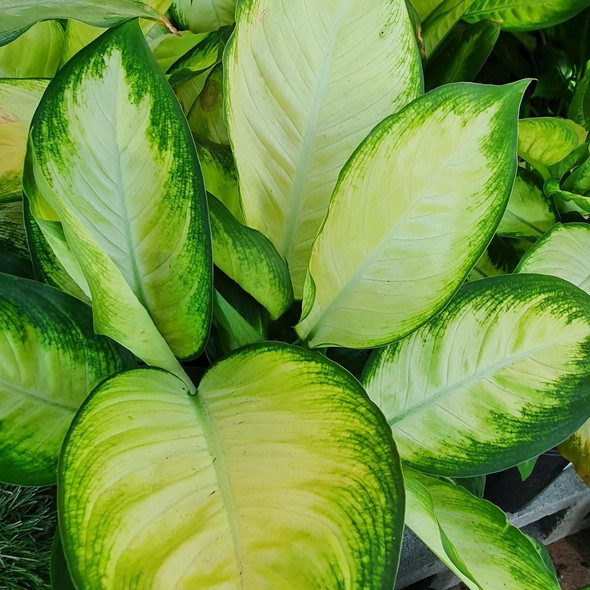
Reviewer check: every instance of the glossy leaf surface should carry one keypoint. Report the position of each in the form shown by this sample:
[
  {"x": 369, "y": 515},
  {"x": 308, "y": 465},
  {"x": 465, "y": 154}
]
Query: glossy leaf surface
[
  {"x": 111, "y": 154},
  {"x": 525, "y": 15},
  {"x": 296, "y": 112},
  {"x": 499, "y": 376},
  {"x": 472, "y": 537},
  {"x": 50, "y": 359},
  {"x": 412, "y": 212},
  {"x": 278, "y": 470}
]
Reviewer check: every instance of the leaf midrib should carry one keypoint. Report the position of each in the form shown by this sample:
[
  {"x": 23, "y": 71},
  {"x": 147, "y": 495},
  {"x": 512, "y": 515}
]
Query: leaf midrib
[
  {"x": 37, "y": 396},
  {"x": 447, "y": 391},
  {"x": 298, "y": 193},
  {"x": 368, "y": 261},
  {"x": 222, "y": 474}
]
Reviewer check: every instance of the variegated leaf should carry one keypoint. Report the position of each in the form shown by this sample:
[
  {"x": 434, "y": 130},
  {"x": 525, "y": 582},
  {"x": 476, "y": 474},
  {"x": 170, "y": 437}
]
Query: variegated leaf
[
  {"x": 473, "y": 538},
  {"x": 111, "y": 154},
  {"x": 50, "y": 359},
  {"x": 413, "y": 210},
  {"x": 496, "y": 378},
  {"x": 18, "y": 101},
  {"x": 278, "y": 473},
  {"x": 296, "y": 111}
]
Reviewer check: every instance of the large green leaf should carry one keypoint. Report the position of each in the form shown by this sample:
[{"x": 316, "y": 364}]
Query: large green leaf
[
  {"x": 500, "y": 376},
  {"x": 579, "y": 109},
  {"x": 525, "y": 15},
  {"x": 18, "y": 101},
  {"x": 50, "y": 359},
  {"x": 472, "y": 537},
  {"x": 203, "y": 15},
  {"x": 306, "y": 81},
  {"x": 413, "y": 210},
  {"x": 111, "y": 155},
  {"x": 250, "y": 259},
  {"x": 16, "y": 16},
  {"x": 279, "y": 473},
  {"x": 564, "y": 252},
  {"x": 36, "y": 54}
]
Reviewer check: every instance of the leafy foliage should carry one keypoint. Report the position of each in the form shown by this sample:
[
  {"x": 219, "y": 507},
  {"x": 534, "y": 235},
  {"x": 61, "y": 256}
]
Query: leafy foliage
[{"x": 274, "y": 171}]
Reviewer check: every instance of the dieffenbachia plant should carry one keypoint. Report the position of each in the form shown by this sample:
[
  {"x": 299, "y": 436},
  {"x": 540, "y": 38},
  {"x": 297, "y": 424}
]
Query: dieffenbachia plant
[{"x": 191, "y": 197}]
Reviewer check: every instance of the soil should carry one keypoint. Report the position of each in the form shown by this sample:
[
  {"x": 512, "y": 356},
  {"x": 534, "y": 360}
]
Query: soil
[{"x": 571, "y": 557}]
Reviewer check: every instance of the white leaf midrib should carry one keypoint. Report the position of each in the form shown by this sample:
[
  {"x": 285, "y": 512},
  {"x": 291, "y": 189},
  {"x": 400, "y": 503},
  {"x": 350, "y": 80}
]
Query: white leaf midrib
[
  {"x": 222, "y": 475},
  {"x": 302, "y": 174},
  {"x": 37, "y": 396},
  {"x": 471, "y": 379}
]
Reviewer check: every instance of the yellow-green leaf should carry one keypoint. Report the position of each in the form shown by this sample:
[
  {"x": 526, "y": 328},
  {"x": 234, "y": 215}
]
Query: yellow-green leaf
[
  {"x": 306, "y": 81},
  {"x": 278, "y": 474},
  {"x": 412, "y": 212}
]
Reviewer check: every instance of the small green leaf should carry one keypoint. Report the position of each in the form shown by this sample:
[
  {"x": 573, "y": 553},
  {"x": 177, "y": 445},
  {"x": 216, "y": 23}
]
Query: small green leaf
[
  {"x": 168, "y": 48},
  {"x": 206, "y": 117},
  {"x": 472, "y": 537},
  {"x": 18, "y": 101},
  {"x": 230, "y": 330},
  {"x": 250, "y": 259},
  {"x": 498, "y": 377},
  {"x": 203, "y": 15},
  {"x": 529, "y": 213},
  {"x": 562, "y": 252},
  {"x": 525, "y": 15},
  {"x": 462, "y": 54},
  {"x": 413, "y": 210},
  {"x": 12, "y": 230},
  {"x": 16, "y": 16},
  {"x": 577, "y": 450},
  {"x": 579, "y": 109},
  {"x": 219, "y": 173},
  {"x": 278, "y": 472},
  {"x": 50, "y": 359},
  {"x": 526, "y": 468},
  {"x": 440, "y": 21},
  {"x": 36, "y": 54},
  {"x": 545, "y": 141},
  {"x": 60, "y": 575}
]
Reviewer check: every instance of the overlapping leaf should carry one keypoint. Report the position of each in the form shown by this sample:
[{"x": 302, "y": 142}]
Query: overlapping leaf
[
  {"x": 203, "y": 15},
  {"x": 500, "y": 376},
  {"x": 250, "y": 259},
  {"x": 306, "y": 81},
  {"x": 472, "y": 537},
  {"x": 18, "y": 101},
  {"x": 114, "y": 162},
  {"x": 525, "y": 15},
  {"x": 564, "y": 252},
  {"x": 412, "y": 212},
  {"x": 50, "y": 359},
  {"x": 16, "y": 16}
]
